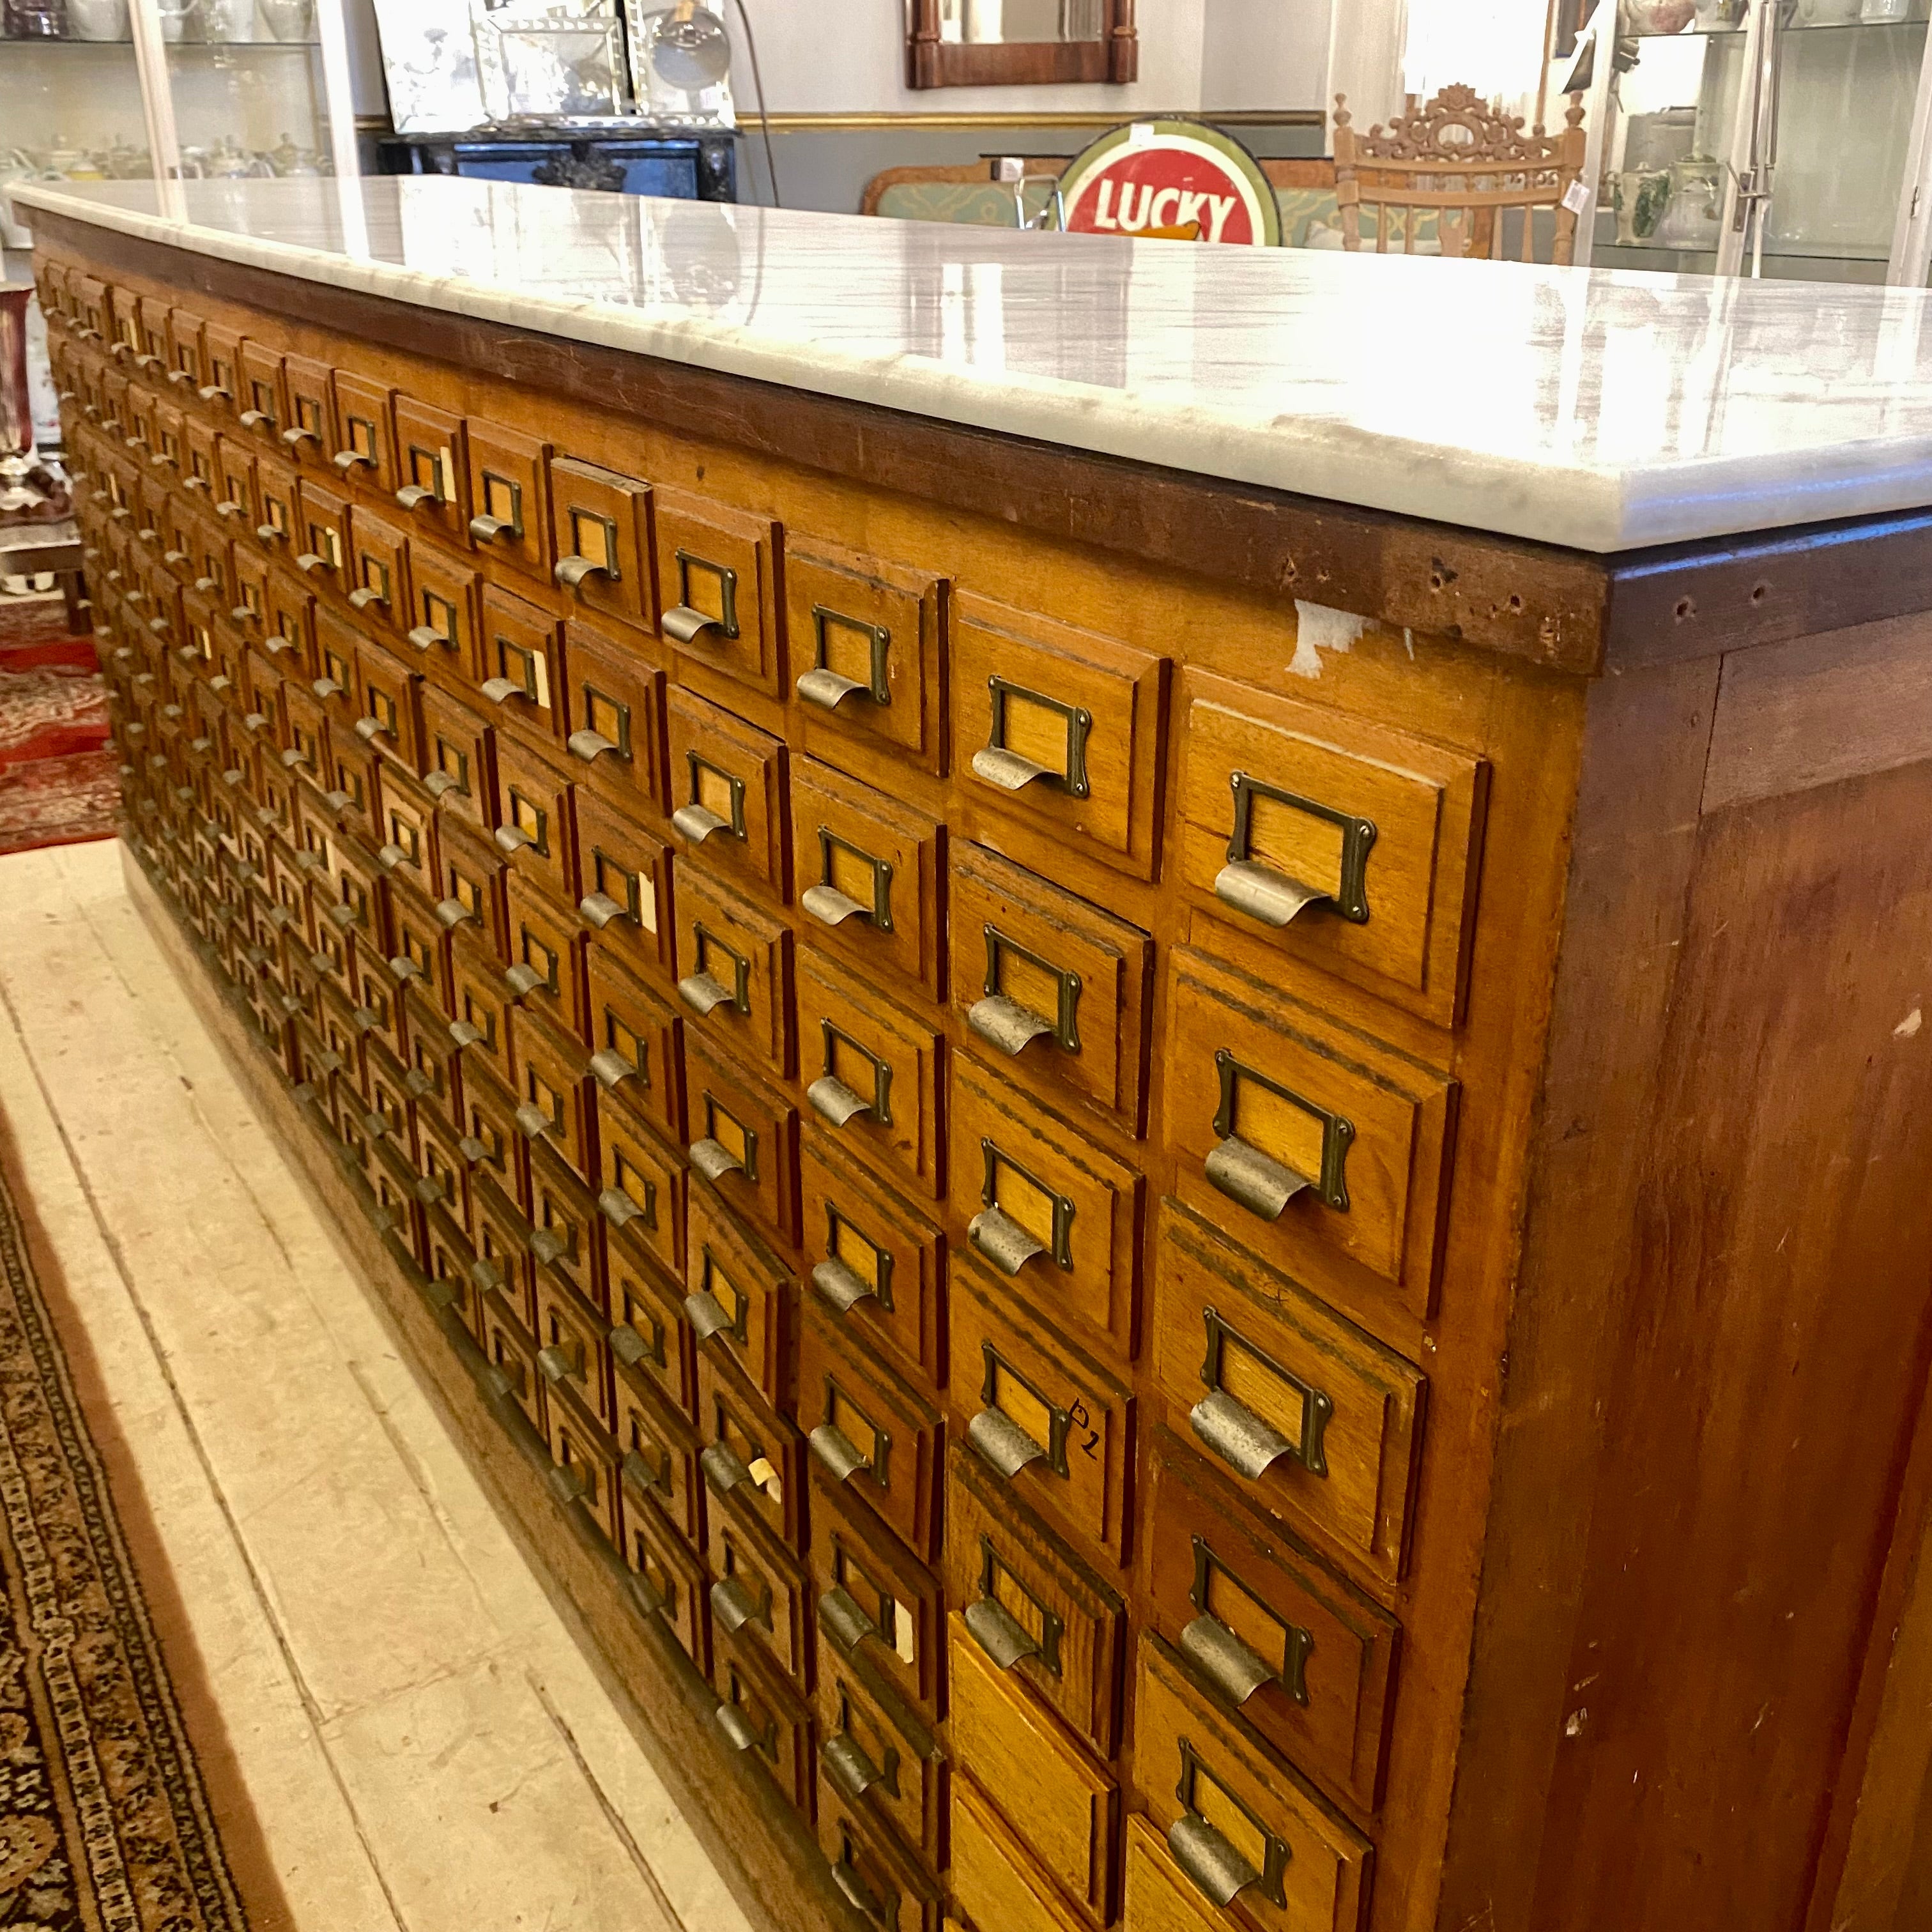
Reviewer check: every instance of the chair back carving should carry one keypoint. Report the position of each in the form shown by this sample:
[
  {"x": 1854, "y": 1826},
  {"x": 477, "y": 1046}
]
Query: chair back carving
[{"x": 1458, "y": 167}]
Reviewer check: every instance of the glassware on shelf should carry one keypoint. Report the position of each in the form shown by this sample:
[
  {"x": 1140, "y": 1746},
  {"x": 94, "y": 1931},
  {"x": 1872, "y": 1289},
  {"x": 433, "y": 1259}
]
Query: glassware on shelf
[
  {"x": 1694, "y": 212},
  {"x": 1641, "y": 197},
  {"x": 1885, "y": 12},
  {"x": 34, "y": 20},
  {"x": 290, "y": 20},
  {"x": 178, "y": 17},
  {"x": 229, "y": 21},
  {"x": 1827, "y": 13}
]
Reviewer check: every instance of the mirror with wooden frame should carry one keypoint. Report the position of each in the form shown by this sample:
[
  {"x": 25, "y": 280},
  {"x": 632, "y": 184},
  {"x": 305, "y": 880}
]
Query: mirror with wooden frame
[{"x": 1013, "y": 43}]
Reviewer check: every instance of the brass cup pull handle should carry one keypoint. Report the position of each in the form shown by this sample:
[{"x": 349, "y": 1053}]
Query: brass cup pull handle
[
  {"x": 255, "y": 418},
  {"x": 486, "y": 529},
  {"x": 268, "y": 533},
  {"x": 368, "y": 594},
  {"x": 533, "y": 1121},
  {"x": 723, "y": 1471},
  {"x": 999, "y": 1633},
  {"x": 427, "y": 637},
  {"x": 611, "y": 1066},
  {"x": 589, "y": 746},
  {"x": 1008, "y": 769},
  {"x": 737, "y": 1728},
  {"x": 452, "y": 913},
  {"x": 558, "y": 1365},
  {"x": 841, "y": 1620},
  {"x": 300, "y": 434},
  {"x": 203, "y": 584},
  {"x": 1002, "y": 1443},
  {"x": 370, "y": 729},
  {"x": 698, "y": 822},
  {"x": 241, "y": 614},
  {"x": 1270, "y": 897},
  {"x": 174, "y": 558},
  {"x": 684, "y": 626},
  {"x": 1217, "y": 1870},
  {"x": 705, "y": 1314},
  {"x": 837, "y": 1451},
  {"x": 1274, "y": 897},
  {"x": 1260, "y": 1184},
  {"x": 842, "y": 1284},
  {"x": 313, "y": 560},
  {"x": 326, "y": 688},
  {"x": 178, "y": 376},
  {"x": 1002, "y": 1241},
  {"x": 828, "y": 690},
  {"x": 713, "y": 1159},
  {"x": 571, "y": 572},
  {"x": 213, "y": 392},
  {"x": 856, "y": 1892},
  {"x": 228, "y": 507},
  {"x": 830, "y": 907},
  {"x": 437, "y": 783},
  {"x": 734, "y": 1605},
  {"x": 1251, "y": 1446},
  {"x": 704, "y": 994},
  {"x": 413, "y": 496},
  {"x": 619, "y": 1209},
  {"x": 848, "y": 1767},
  {"x": 348, "y": 460},
  {"x": 832, "y": 1100},
  {"x": 511, "y": 839},
  {"x": 1225, "y": 1660},
  {"x": 599, "y": 909},
  {"x": 627, "y": 1344},
  {"x": 501, "y": 690},
  {"x": 550, "y": 1247},
  {"x": 1004, "y": 1023},
  {"x": 150, "y": 361}
]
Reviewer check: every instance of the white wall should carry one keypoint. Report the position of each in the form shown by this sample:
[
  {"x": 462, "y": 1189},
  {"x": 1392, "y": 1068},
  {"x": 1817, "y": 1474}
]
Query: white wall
[{"x": 1264, "y": 53}]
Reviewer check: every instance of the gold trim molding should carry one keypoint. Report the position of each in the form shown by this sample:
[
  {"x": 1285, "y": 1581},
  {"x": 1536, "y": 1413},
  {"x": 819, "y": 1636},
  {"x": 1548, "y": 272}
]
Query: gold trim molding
[{"x": 903, "y": 120}]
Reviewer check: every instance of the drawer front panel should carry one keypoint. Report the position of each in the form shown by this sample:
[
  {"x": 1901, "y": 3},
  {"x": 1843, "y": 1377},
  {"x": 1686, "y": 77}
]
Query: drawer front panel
[
  {"x": 759, "y": 1593},
  {"x": 887, "y": 1761},
  {"x": 1332, "y": 839},
  {"x": 521, "y": 663},
  {"x": 1328, "y": 1153},
  {"x": 584, "y": 1463},
  {"x": 877, "y": 1605},
  {"x": 1057, "y": 1799},
  {"x": 658, "y": 1449},
  {"x": 433, "y": 470},
  {"x": 509, "y": 502},
  {"x": 365, "y": 435},
  {"x": 992, "y": 1877},
  {"x": 890, "y": 1890},
  {"x": 1316, "y": 1419},
  {"x": 760, "y": 1712},
  {"x": 1160, "y": 1897},
  {"x": 617, "y": 718},
  {"x": 635, "y": 1034},
  {"x": 601, "y": 538},
  {"x": 740, "y": 1300},
  {"x": 458, "y": 745},
  {"x": 735, "y": 966},
  {"x": 443, "y": 629},
  {"x": 1030, "y": 1603},
  {"x": 728, "y": 791},
  {"x": 751, "y": 1459},
  {"x": 674, "y": 1579},
  {"x": 718, "y": 586},
  {"x": 647, "y": 1300},
  {"x": 1239, "y": 1823},
  {"x": 744, "y": 1138},
  {"x": 624, "y": 870},
  {"x": 536, "y": 824}
]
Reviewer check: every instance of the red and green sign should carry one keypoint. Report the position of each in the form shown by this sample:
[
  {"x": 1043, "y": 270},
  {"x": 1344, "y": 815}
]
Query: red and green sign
[{"x": 1158, "y": 175}]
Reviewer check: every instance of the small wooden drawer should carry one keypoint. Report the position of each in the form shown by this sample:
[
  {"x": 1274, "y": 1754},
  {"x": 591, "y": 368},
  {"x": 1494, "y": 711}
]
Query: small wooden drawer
[
  {"x": 387, "y": 717},
  {"x": 491, "y": 1144},
  {"x": 187, "y": 362},
  {"x": 502, "y": 1233},
  {"x": 353, "y": 775},
  {"x": 445, "y": 594},
  {"x": 888, "y": 1888},
  {"x": 868, "y": 642},
  {"x": 751, "y": 1459},
  {"x": 1245, "y": 1829},
  {"x": 440, "y": 1163},
  {"x": 536, "y": 821},
  {"x": 512, "y": 1352},
  {"x": 742, "y": 1302},
  {"x": 1329, "y": 1153},
  {"x": 170, "y": 441},
  {"x": 880, "y": 1755},
  {"x": 458, "y": 747},
  {"x": 995, "y": 1879},
  {"x": 151, "y": 354},
  {"x": 250, "y": 610},
  {"x": 214, "y": 565},
  {"x": 432, "y": 1068},
  {"x": 1060, "y": 726},
  {"x": 636, "y": 1034},
  {"x": 648, "y": 1302},
  {"x": 601, "y": 532},
  {"x": 309, "y": 430},
  {"x": 521, "y": 663},
  {"x": 201, "y": 464},
  {"x": 480, "y": 1022},
  {"x": 737, "y": 968},
  {"x": 718, "y": 584},
  {"x": 1330, "y": 839},
  {"x": 323, "y": 548},
  {"x": 261, "y": 399},
  {"x": 878, "y": 1606},
  {"x": 659, "y": 1452},
  {"x": 365, "y": 434},
  {"x": 759, "y": 1591},
  {"x": 744, "y": 1137},
  {"x": 378, "y": 576},
  {"x": 433, "y": 470},
  {"x": 1160, "y": 1897},
  {"x": 553, "y": 1087},
  {"x": 361, "y": 891},
  {"x": 573, "y": 1354},
  {"x": 280, "y": 531},
  {"x": 408, "y": 851},
  {"x": 1040, "y": 1202},
  {"x": 583, "y": 1460},
  {"x": 727, "y": 783},
  {"x": 546, "y": 962},
  {"x": 762, "y": 1714},
  {"x": 1061, "y": 989},
  {"x": 671, "y": 1579},
  {"x": 1319, "y": 1422},
  {"x": 617, "y": 719},
  {"x": 1030, "y": 1603},
  {"x": 289, "y": 628},
  {"x": 378, "y": 1000},
  {"x": 451, "y": 1259},
  {"x": 871, "y": 1071},
  {"x": 1059, "y": 1802},
  {"x": 642, "y": 1191},
  {"x": 563, "y": 1224},
  {"x": 870, "y": 1430},
  {"x": 476, "y": 894},
  {"x": 1305, "y": 1658},
  {"x": 624, "y": 872},
  {"x": 867, "y": 873},
  {"x": 882, "y": 1262},
  {"x": 509, "y": 506},
  {"x": 235, "y": 492}
]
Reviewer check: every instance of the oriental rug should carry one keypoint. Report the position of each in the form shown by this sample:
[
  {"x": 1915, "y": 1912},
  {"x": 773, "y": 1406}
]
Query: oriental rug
[
  {"x": 58, "y": 775},
  {"x": 106, "y": 1823}
]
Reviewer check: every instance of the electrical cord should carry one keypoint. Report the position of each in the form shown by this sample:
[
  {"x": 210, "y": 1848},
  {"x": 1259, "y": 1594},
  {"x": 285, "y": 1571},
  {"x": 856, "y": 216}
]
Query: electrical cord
[{"x": 758, "y": 88}]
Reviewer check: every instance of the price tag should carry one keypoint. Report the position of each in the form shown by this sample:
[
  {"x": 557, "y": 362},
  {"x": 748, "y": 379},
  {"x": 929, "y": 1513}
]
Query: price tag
[{"x": 1576, "y": 197}]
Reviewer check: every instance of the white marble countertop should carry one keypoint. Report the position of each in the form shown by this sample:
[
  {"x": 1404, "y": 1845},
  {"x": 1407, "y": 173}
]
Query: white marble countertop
[{"x": 1601, "y": 409}]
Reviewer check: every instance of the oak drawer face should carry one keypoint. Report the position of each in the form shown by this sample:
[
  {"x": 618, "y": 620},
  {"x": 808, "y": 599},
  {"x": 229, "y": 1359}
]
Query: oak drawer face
[
  {"x": 1318, "y": 1148},
  {"x": 744, "y": 1137},
  {"x": 740, "y": 1300},
  {"x": 867, "y": 645},
  {"x": 870, "y": 1070},
  {"x": 649, "y": 1301},
  {"x": 674, "y": 1578},
  {"x": 365, "y": 444},
  {"x": 584, "y": 1461},
  {"x": 562, "y": 1214},
  {"x": 521, "y": 663},
  {"x": 494, "y": 1149},
  {"x": 458, "y": 763},
  {"x": 261, "y": 401},
  {"x": 758, "y": 1591},
  {"x": 1236, "y": 1815},
  {"x": 310, "y": 433},
  {"x": 872, "y": 1758},
  {"x": 480, "y": 1024},
  {"x": 601, "y": 535},
  {"x": 290, "y": 622},
  {"x": 735, "y": 968},
  {"x": 386, "y": 707},
  {"x": 281, "y": 531},
  {"x": 1160, "y": 1897},
  {"x": 752, "y": 1459},
  {"x": 992, "y": 1877},
  {"x": 553, "y": 1107},
  {"x": 728, "y": 791},
  {"x": 379, "y": 575},
  {"x": 617, "y": 719},
  {"x": 1029, "y": 1603},
  {"x": 1335, "y": 840},
  {"x": 869, "y": 1430},
  {"x": 877, "y": 1604},
  {"x": 509, "y": 509},
  {"x": 1305, "y": 1658},
  {"x": 889, "y": 1889},
  {"x": 1057, "y": 1800},
  {"x": 432, "y": 470},
  {"x": 445, "y": 591},
  {"x": 635, "y": 1035},
  {"x": 1061, "y": 727},
  {"x": 1058, "y": 989},
  {"x": 761, "y": 1713},
  {"x": 873, "y": 1260},
  {"x": 536, "y": 824},
  {"x": 1317, "y": 1420},
  {"x": 717, "y": 583},
  {"x": 321, "y": 540},
  {"x": 234, "y": 487},
  {"x": 624, "y": 872},
  {"x": 544, "y": 945},
  {"x": 512, "y": 1356},
  {"x": 659, "y": 1455},
  {"x": 1043, "y": 1205}
]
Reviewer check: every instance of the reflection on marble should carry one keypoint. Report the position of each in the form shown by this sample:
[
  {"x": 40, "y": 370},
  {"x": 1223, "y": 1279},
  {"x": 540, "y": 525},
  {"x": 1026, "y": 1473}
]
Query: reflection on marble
[{"x": 1600, "y": 409}]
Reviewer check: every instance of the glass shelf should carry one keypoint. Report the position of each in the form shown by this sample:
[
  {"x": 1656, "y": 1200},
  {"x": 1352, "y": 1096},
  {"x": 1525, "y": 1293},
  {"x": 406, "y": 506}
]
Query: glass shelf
[{"x": 1694, "y": 32}]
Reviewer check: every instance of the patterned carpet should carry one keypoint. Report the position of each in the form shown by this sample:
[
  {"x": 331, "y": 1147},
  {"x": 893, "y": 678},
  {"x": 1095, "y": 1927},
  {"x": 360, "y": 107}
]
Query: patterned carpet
[
  {"x": 59, "y": 775},
  {"x": 106, "y": 1820}
]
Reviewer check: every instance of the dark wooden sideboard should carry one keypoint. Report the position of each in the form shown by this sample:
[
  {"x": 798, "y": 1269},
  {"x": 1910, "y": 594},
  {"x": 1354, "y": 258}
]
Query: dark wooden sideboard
[{"x": 1165, "y": 1293}]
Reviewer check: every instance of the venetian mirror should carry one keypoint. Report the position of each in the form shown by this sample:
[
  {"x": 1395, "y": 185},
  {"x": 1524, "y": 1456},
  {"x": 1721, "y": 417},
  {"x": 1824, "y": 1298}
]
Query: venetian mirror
[{"x": 1008, "y": 43}]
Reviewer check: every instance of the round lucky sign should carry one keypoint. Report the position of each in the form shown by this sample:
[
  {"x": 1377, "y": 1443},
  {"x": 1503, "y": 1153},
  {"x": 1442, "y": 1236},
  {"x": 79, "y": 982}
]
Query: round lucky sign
[{"x": 1165, "y": 174}]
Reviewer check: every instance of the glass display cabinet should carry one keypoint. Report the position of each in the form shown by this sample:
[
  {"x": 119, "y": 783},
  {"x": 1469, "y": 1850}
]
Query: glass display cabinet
[{"x": 1774, "y": 137}]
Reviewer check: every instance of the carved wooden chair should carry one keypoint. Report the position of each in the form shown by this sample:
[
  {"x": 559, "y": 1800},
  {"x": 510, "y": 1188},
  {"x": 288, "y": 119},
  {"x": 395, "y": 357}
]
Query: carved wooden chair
[{"x": 1456, "y": 167}]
